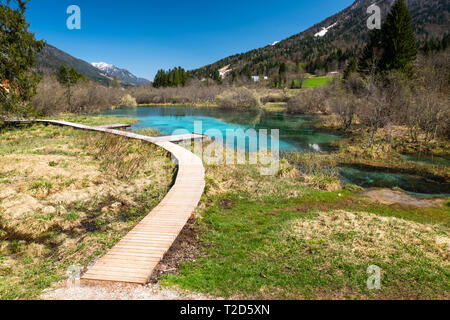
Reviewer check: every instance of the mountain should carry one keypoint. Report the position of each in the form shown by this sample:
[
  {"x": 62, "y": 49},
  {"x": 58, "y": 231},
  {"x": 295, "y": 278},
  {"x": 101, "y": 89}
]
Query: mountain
[
  {"x": 328, "y": 45},
  {"x": 123, "y": 76},
  {"x": 50, "y": 59}
]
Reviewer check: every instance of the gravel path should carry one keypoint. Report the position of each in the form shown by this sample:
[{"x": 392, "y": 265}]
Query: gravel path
[{"x": 121, "y": 292}]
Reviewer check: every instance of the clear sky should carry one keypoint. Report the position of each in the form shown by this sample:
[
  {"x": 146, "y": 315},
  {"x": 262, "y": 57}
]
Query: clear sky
[{"x": 145, "y": 35}]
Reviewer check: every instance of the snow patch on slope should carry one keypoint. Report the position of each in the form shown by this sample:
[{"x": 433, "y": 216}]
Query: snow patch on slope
[{"x": 324, "y": 31}]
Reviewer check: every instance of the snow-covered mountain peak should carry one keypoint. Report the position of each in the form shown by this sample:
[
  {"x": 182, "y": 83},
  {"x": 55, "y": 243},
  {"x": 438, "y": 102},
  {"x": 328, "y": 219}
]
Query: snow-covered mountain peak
[
  {"x": 123, "y": 75},
  {"x": 103, "y": 65}
]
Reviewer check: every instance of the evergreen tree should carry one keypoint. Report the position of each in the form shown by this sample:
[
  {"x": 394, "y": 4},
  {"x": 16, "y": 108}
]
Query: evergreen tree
[
  {"x": 282, "y": 74},
  {"x": 393, "y": 47},
  {"x": 115, "y": 82},
  {"x": 68, "y": 77},
  {"x": 216, "y": 76},
  {"x": 352, "y": 67},
  {"x": 369, "y": 61},
  {"x": 18, "y": 48},
  {"x": 233, "y": 76},
  {"x": 172, "y": 78},
  {"x": 398, "y": 40},
  {"x": 282, "y": 69}
]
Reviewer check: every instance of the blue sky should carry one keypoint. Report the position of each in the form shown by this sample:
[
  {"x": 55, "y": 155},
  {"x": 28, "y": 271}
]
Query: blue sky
[{"x": 144, "y": 35}]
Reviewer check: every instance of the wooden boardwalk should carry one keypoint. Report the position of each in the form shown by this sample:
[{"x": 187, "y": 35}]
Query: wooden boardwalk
[
  {"x": 115, "y": 126},
  {"x": 181, "y": 137},
  {"x": 134, "y": 258}
]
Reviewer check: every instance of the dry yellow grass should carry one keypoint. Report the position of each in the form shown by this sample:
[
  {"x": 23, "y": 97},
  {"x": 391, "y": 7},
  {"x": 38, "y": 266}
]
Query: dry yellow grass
[
  {"x": 359, "y": 237},
  {"x": 401, "y": 248},
  {"x": 66, "y": 197}
]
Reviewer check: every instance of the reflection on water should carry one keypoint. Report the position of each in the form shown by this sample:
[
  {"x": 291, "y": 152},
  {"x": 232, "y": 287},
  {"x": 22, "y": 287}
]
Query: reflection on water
[{"x": 296, "y": 132}]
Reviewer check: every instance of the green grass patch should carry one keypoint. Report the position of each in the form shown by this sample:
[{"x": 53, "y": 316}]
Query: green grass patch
[
  {"x": 249, "y": 250},
  {"x": 315, "y": 82},
  {"x": 40, "y": 184},
  {"x": 72, "y": 216},
  {"x": 52, "y": 164}
]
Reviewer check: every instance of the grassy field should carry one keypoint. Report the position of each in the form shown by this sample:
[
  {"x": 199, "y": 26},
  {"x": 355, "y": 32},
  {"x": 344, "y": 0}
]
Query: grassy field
[
  {"x": 67, "y": 196},
  {"x": 315, "y": 82},
  {"x": 286, "y": 237},
  {"x": 93, "y": 120}
]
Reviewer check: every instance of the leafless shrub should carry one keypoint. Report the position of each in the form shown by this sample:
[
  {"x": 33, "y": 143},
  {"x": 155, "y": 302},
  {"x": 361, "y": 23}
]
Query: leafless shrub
[
  {"x": 274, "y": 96},
  {"x": 91, "y": 97},
  {"x": 195, "y": 92},
  {"x": 422, "y": 102},
  {"x": 127, "y": 101},
  {"x": 354, "y": 84},
  {"x": 428, "y": 113},
  {"x": 314, "y": 101},
  {"x": 374, "y": 111},
  {"x": 50, "y": 97},
  {"x": 238, "y": 98},
  {"x": 430, "y": 109},
  {"x": 345, "y": 107},
  {"x": 86, "y": 97}
]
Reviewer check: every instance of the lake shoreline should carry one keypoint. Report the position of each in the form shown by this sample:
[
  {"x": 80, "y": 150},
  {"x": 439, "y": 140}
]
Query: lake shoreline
[
  {"x": 348, "y": 149},
  {"x": 270, "y": 106}
]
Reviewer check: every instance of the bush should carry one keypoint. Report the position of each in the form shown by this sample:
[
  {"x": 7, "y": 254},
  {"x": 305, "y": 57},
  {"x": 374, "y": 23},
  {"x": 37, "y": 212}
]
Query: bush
[
  {"x": 275, "y": 97},
  {"x": 419, "y": 102},
  {"x": 50, "y": 97},
  {"x": 128, "y": 101},
  {"x": 315, "y": 101},
  {"x": 238, "y": 98},
  {"x": 86, "y": 97}
]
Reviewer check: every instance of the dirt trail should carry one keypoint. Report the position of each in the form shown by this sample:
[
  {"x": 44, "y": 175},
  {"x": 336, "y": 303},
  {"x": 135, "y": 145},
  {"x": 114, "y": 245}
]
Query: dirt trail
[{"x": 121, "y": 292}]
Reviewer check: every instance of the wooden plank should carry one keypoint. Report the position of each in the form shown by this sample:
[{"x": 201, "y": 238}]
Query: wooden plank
[
  {"x": 134, "y": 258},
  {"x": 182, "y": 137},
  {"x": 115, "y": 126}
]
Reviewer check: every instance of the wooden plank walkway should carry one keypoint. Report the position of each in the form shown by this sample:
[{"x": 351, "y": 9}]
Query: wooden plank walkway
[
  {"x": 134, "y": 258},
  {"x": 115, "y": 126},
  {"x": 181, "y": 137}
]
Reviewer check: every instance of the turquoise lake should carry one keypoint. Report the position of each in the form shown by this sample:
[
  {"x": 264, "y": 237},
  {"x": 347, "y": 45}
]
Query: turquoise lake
[{"x": 297, "y": 133}]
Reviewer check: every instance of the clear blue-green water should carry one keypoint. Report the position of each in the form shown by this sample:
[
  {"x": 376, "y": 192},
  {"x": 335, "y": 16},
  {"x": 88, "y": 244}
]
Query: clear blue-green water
[
  {"x": 427, "y": 159},
  {"x": 297, "y": 133},
  {"x": 417, "y": 185}
]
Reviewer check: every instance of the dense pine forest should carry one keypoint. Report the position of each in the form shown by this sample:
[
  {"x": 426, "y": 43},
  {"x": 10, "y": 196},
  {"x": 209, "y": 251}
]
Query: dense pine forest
[{"x": 172, "y": 78}]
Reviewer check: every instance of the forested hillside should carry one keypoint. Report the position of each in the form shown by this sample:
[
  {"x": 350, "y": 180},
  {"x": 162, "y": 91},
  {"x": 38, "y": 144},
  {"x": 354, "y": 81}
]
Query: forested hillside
[
  {"x": 347, "y": 32},
  {"x": 50, "y": 59}
]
